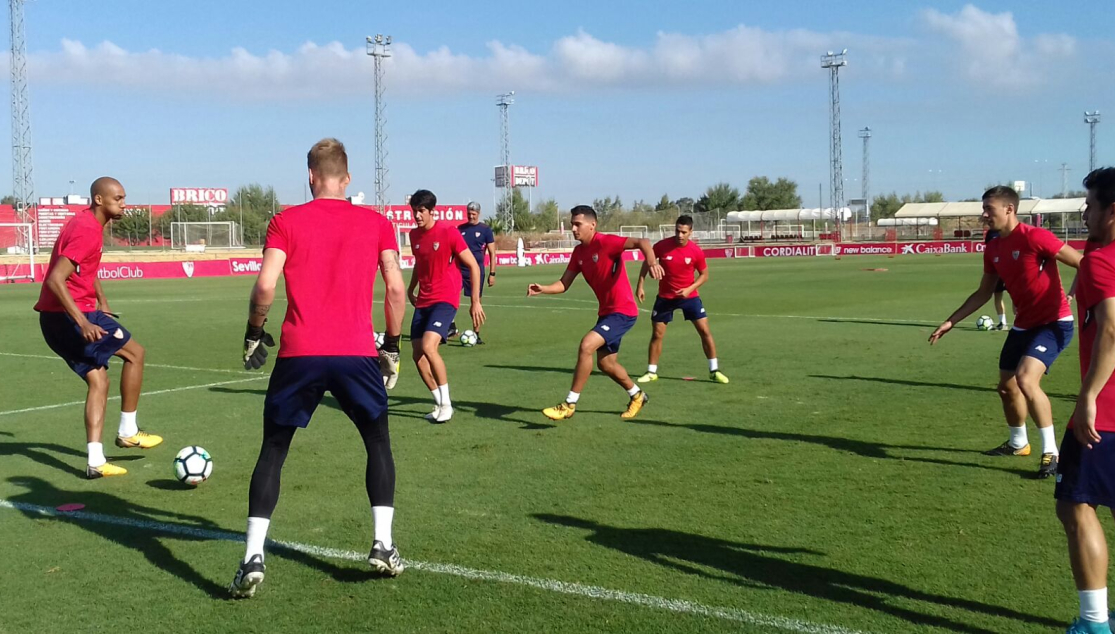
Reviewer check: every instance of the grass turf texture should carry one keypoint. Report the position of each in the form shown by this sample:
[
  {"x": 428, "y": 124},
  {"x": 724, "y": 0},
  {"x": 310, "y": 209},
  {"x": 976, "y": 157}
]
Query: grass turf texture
[{"x": 837, "y": 480}]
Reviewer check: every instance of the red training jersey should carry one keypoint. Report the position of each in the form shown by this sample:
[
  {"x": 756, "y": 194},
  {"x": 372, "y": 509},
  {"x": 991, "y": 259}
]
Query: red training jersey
[
  {"x": 678, "y": 264},
  {"x": 1094, "y": 283},
  {"x": 81, "y": 242},
  {"x": 1026, "y": 262},
  {"x": 601, "y": 262},
  {"x": 435, "y": 263},
  {"x": 332, "y": 254}
]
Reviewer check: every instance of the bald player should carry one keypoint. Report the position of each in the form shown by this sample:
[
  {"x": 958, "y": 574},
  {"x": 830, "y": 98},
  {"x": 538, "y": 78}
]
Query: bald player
[{"x": 79, "y": 327}]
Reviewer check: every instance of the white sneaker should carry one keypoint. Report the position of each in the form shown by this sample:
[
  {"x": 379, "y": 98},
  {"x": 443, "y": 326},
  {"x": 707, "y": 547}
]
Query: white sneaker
[
  {"x": 445, "y": 412},
  {"x": 433, "y": 414}
]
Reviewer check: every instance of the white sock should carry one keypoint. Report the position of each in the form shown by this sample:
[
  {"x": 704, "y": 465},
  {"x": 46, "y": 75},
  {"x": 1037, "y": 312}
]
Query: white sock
[
  {"x": 96, "y": 454},
  {"x": 1018, "y": 438},
  {"x": 652, "y": 368},
  {"x": 257, "y": 534},
  {"x": 437, "y": 395},
  {"x": 1093, "y": 605},
  {"x": 713, "y": 366},
  {"x": 1003, "y": 319},
  {"x": 382, "y": 517},
  {"x": 128, "y": 425},
  {"x": 572, "y": 398},
  {"x": 444, "y": 389},
  {"x": 633, "y": 391},
  {"x": 1048, "y": 440}
]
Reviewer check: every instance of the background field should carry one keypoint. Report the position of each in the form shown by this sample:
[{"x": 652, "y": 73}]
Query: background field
[{"x": 835, "y": 485}]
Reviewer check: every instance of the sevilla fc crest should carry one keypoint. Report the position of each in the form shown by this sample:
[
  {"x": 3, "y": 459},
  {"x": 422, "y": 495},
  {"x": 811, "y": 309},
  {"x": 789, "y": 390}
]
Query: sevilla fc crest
[
  {"x": 669, "y": 257},
  {"x": 595, "y": 257},
  {"x": 688, "y": 260},
  {"x": 1014, "y": 254},
  {"x": 436, "y": 244},
  {"x": 477, "y": 234}
]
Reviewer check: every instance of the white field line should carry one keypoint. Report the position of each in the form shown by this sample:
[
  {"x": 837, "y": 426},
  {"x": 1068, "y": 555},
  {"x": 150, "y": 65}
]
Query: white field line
[
  {"x": 146, "y": 365},
  {"x": 550, "y": 585},
  {"x": 144, "y": 394}
]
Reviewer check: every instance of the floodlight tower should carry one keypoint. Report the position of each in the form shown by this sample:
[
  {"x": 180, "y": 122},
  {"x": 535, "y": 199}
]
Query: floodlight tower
[
  {"x": 23, "y": 185},
  {"x": 379, "y": 48},
  {"x": 833, "y": 62},
  {"x": 504, "y": 102},
  {"x": 1092, "y": 118},
  {"x": 865, "y": 134}
]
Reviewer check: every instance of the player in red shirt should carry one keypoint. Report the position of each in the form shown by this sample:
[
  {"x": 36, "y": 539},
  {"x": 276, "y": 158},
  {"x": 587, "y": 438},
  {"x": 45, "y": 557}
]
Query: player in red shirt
[
  {"x": 438, "y": 249},
  {"x": 328, "y": 251},
  {"x": 1086, "y": 474},
  {"x": 1025, "y": 258},
  {"x": 599, "y": 257},
  {"x": 680, "y": 258},
  {"x": 79, "y": 327}
]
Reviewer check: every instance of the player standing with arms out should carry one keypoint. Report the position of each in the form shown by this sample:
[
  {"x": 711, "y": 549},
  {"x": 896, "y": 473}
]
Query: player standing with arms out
[
  {"x": 1000, "y": 305},
  {"x": 479, "y": 237},
  {"x": 75, "y": 321},
  {"x": 599, "y": 257},
  {"x": 1086, "y": 475},
  {"x": 680, "y": 258},
  {"x": 437, "y": 248},
  {"x": 328, "y": 251},
  {"x": 1024, "y": 257}
]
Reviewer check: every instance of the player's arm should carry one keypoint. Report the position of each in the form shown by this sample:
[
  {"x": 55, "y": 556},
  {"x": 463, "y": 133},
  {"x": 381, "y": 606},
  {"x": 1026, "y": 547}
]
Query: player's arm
[
  {"x": 491, "y": 264},
  {"x": 102, "y": 299},
  {"x": 651, "y": 260},
  {"x": 476, "y": 311},
  {"x": 702, "y": 277},
  {"x": 1099, "y": 373},
  {"x": 972, "y": 304},
  {"x": 256, "y": 340},
  {"x": 56, "y": 281},
  {"x": 394, "y": 307},
  {"x": 1070, "y": 256},
  {"x": 556, "y": 288},
  {"x": 411, "y": 296}
]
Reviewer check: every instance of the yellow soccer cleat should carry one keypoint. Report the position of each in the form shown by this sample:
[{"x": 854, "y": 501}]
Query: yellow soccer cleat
[
  {"x": 636, "y": 405},
  {"x": 647, "y": 378},
  {"x": 562, "y": 411},
  {"x": 718, "y": 376},
  {"x": 142, "y": 440},
  {"x": 104, "y": 471}
]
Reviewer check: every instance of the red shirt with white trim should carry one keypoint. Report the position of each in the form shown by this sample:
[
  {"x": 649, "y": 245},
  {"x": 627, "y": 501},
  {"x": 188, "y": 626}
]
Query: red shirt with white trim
[
  {"x": 435, "y": 263},
  {"x": 81, "y": 241},
  {"x": 1096, "y": 282},
  {"x": 678, "y": 265},
  {"x": 601, "y": 263},
  {"x": 332, "y": 254},
  {"x": 1026, "y": 262}
]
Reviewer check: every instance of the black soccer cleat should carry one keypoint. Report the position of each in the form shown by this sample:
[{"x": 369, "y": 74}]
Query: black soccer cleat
[
  {"x": 1048, "y": 466},
  {"x": 452, "y": 330},
  {"x": 248, "y": 577},
  {"x": 386, "y": 561},
  {"x": 479, "y": 341},
  {"x": 1006, "y": 449}
]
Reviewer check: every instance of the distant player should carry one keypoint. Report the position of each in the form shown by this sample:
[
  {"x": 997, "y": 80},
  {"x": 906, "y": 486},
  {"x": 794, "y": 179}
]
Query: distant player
[
  {"x": 1024, "y": 257},
  {"x": 328, "y": 251},
  {"x": 479, "y": 238},
  {"x": 599, "y": 257},
  {"x": 75, "y": 320},
  {"x": 1086, "y": 475},
  {"x": 1000, "y": 305},
  {"x": 438, "y": 248},
  {"x": 680, "y": 259}
]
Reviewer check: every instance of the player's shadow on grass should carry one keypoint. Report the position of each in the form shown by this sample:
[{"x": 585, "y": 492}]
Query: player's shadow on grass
[
  {"x": 46, "y": 453},
  {"x": 759, "y": 566},
  {"x": 877, "y": 322},
  {"x": 910, "y": 383}
]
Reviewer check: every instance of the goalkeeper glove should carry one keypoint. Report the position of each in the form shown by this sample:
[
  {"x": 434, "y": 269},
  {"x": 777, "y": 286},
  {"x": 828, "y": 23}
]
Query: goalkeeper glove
[
  {"x": 255, "y": 354},
  {"x": 389, "y": 360}
]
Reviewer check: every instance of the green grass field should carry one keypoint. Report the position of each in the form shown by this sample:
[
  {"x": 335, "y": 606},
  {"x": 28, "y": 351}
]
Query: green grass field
[{"x": 835, "y": 486}]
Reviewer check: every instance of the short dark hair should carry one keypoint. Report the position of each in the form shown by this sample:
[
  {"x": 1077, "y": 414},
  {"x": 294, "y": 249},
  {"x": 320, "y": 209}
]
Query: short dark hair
[
  {"x": 1004, "y": 194},
  {"x": 423, "y": 198},
  {"x": 583, "y": 210},
  {"x": 685, "y": 220},
  {"x": 1102, "y": 182}
]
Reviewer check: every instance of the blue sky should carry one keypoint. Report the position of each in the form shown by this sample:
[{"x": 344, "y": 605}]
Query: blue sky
[{"x": 630, "y": 98}]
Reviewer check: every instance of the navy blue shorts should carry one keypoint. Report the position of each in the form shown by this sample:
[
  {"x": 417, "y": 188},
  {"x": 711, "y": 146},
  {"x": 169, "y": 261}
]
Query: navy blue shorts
[
  {"x": 1087, "y": 476},
  {"x": 663, "y": 312},
  {"x": 64, "y": 338},
  {"x": 434, "y": 318},
  {"x": 1044, "y": 343},
  {"x": 298, "y": 384},
  {"x": 466, "y": 282},
  {"x": 613, "y": 327}
]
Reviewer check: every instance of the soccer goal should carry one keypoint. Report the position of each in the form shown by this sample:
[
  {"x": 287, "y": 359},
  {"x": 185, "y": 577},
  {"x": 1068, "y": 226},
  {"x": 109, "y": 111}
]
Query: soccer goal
[
  {"x": 17, "y": 251},
  {"x": 826, "y": 249},
  {"x": 634, "y": 231},
  {"x": 198, "y": 236}
]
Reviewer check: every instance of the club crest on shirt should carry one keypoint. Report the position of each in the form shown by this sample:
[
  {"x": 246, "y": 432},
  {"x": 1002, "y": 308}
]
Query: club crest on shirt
[
  {"x": 669, "y": 257},
  {"x": 688, "y": 260},
  {"x": 1014, "y": 254},
  {"x": 436, "y": 245},
  {"x": 477, "y": 234},
  {"x": 595, "y": 257}
]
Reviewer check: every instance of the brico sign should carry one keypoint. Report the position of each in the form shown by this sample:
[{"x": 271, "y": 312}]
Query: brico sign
[{"x": 205, "y": 196}]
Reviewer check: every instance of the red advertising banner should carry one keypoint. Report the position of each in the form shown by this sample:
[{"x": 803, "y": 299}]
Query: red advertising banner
[
  {"x": 51, "y": 219},
  {"x": 867, "y": 248},
  {"x": 403, "y": 218},
  {"x": 162, "y": 270}
]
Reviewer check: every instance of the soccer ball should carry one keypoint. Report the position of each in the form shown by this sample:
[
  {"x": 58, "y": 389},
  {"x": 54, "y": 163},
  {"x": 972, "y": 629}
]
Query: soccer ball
[
  {"x": 984, "y": 323},
  {"x": 379, "y": 340},
  {"x": 193, "y": 465},
  {"x": 469, "y": 338}
]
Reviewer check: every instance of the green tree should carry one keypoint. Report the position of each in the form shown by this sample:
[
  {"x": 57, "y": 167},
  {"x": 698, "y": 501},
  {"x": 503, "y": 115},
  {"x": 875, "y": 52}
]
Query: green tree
[
  {"x": 253, "y": 205},
  {"x": 133, "y": 227},
  {"x": 547, "y": 215},
  {"x": 520, "y": 211},
  {"x": 642, "y": 207},
  {"x": 607, "y": 206},
  {"x": 719, "y": 197},
  {"x": 664, "y": 204},
  {"x": 886, "y": 205},
  {"x": 10, "y": 199},
  {"x": 685, "y": 205},
  {"x": 763, "y": 194}
]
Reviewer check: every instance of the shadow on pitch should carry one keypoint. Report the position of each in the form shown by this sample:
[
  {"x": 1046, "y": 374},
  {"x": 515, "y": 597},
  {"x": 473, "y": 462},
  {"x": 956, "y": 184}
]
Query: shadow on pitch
[
  {"x": 950, "y": 386},
  {"x": 876, "y": 322},
  {"x": 47, "y": 454},
  {"x": 764, "y": 567}
]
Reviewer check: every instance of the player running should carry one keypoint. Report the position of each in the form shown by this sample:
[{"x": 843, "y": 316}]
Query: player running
[
  {"x": 479, "y": 238},
  {"x": 680, "y": 259},
  {"x": 328, "y": 251},
  {"x": 1000, "y": 305},
  {"x": 79, "y": 327},
  {"x": 438, "y": 248},
  {"x": 1024, "y": 257},
  {"x": 599, "y": 257},
  {"x": 1086, "y": 475}
]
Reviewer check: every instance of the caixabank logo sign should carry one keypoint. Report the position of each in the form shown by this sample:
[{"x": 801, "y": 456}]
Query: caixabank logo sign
[{"x": 936, "y": 248}]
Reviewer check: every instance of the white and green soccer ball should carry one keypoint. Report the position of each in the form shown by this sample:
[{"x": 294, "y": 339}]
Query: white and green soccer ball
[
  {"x": 984, "y": 323},
  {"x": 193, "y": 465},
  {"x": 379, "y": 340},
  {"x": 469, "y": 338}
]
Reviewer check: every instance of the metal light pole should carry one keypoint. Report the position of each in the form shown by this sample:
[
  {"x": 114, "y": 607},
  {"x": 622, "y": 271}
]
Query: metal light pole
[
  {"x": 504, "y": 102},
  {"x": 379, "y": 48},
  {"x": 1092, "y": 118},
  {"x": 23, "y": 184},
  {"x": 865, "y": 190},
  {"x": 833, "y": 62}
]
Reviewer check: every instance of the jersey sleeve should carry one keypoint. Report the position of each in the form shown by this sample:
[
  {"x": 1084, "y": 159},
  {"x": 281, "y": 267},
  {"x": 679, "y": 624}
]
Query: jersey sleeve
[
  {"x": 1101, "y": 274},
  {"x": 574, "y": 265},
  {"x": 387, "y": 240},
  {"x": 489, "y": 235},
  {"x": 699, "y": 260},
  {"x": 276, "y": 235},
  {"x": 457, "y": 241},
  {"x": 76, "y": 245},
  {"x": 988, "y": 265},
  {"x": 1046, "y": 244},
  {"x": 614, "y": 244}
]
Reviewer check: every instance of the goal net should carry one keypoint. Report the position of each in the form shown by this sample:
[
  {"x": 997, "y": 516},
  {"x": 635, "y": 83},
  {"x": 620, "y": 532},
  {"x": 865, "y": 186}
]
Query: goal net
[
  {"x": 633, "y": 231},
  {"x": 17, "y": 252},
  {"x": 198, "y": 236}
]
